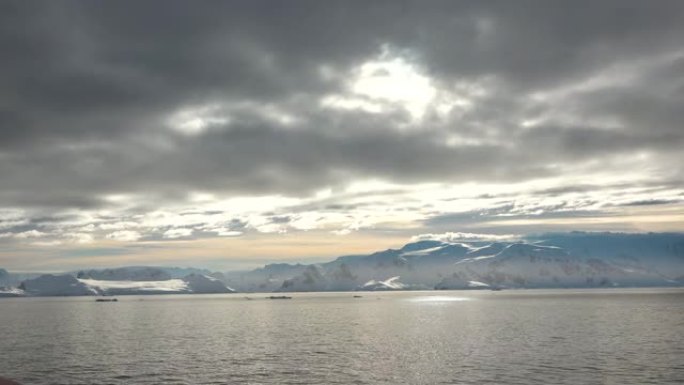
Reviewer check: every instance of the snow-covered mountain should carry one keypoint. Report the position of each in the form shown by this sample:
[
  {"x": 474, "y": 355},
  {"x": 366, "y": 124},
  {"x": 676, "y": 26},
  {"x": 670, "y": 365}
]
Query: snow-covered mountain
[
  {"x": 141, "y": 273},
  {"x": 204, "y": 284},
  {"x": 68, "y": 285},
  {"x": 556, "y": 260},
  {"x": 56, "y": 285},
  {"x": 575, "y": 259},
  {"x": 126, "y": 274},
  {"x": 264, "y": 279}
]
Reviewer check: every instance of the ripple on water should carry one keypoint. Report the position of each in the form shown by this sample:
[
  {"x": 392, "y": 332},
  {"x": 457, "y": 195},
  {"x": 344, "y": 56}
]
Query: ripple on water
[{"x": 467, "y": 338}]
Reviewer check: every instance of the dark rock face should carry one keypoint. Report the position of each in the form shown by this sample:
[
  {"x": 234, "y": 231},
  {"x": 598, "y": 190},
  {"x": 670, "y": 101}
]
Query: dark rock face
[{"x": 56, "y": 285}]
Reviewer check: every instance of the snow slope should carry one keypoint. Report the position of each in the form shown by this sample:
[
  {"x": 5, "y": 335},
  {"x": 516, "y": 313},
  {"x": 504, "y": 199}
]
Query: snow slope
[
  {"x": 169, "y": 286},
  {"x": 11, "y": 292},
  {"x": 388, "y": 284},
  {"x": 68, "y": 285},
  {"x": 191, "y": 284},
  {"x": 126, "y": 274}
]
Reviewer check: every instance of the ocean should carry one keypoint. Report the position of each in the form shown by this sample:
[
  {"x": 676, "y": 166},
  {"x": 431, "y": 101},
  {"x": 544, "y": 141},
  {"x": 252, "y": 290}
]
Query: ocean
[{"x": 593, "y": 336}]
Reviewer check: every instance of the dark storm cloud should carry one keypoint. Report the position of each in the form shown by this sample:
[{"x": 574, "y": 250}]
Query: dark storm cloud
[
  {"x": 480, "y": 219},
  {"x": 87, "y": 88},
  {"x": 651, "y": 202}
]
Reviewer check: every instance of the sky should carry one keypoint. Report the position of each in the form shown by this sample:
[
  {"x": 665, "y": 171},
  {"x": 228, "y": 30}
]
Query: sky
[{"x": 232, "y": 134}]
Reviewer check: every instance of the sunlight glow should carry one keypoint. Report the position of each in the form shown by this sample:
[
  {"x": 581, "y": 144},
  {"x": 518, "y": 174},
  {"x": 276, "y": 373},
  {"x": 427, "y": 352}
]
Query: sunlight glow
[
  {"x": 385, "y": 83},
  {"x": 439, "y": 298},
  {"x": 192, "y": 121}
]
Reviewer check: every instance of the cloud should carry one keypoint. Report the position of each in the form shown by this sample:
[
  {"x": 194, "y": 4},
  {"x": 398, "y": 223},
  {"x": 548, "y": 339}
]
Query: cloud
[
  {"x": 651, "y": 202},
  {"x": 227, "y": 119},
  {"x": 229, "y": 233},
  {"x": 23, "y": 235},
  {"x": 225, "y": 91},
  {"x": 177, "y": 233},
  {"x": 455, "y": 237},
  {"x": 79, "y": 238},
  {"x": 124, "y": 236}
]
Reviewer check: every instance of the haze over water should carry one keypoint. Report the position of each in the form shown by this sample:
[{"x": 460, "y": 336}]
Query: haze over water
[{"x": 611, "y": 336}]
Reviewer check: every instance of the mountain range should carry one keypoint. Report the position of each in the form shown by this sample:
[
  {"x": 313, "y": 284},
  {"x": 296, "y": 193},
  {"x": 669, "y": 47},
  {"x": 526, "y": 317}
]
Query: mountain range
[
  {"x": 552, "y": 260},
  {"x": 558, "y": 260}
]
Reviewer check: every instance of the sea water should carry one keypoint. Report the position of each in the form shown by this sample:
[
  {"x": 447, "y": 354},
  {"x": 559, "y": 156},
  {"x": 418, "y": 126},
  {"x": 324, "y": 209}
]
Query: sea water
[{"x": 609, "y": 336}]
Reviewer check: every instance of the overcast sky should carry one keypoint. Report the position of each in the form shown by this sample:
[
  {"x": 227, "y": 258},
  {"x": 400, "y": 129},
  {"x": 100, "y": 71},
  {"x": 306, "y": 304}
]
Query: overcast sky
[{"x": 229, "y": 134}]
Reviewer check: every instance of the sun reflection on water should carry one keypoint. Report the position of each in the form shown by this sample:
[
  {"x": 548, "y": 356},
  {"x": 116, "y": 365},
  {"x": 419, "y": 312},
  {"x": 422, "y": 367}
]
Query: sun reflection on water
[{"x": 440, "y": 298}]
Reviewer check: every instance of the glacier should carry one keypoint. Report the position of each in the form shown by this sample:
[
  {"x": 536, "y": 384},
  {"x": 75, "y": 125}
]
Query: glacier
[{"x": 68, "y": 285}]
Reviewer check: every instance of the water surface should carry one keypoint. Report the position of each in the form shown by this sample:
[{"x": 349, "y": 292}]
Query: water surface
[{"x": 612, "y": 336}]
